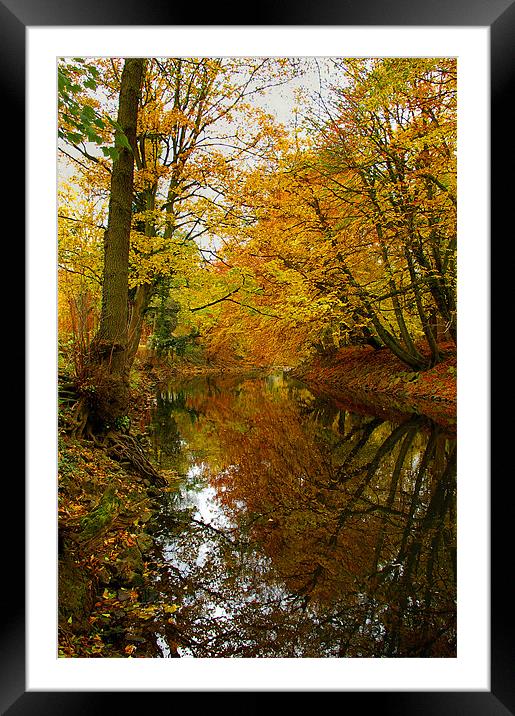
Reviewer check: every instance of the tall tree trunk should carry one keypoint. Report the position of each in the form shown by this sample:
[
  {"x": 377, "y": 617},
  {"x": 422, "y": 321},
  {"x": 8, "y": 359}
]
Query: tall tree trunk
[
  {"x": 108, "y": 351},
  {"x": 146, "y": 291}
]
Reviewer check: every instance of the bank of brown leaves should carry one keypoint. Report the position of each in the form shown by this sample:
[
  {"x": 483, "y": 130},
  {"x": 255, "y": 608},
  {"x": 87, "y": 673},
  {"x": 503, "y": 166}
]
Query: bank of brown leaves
[
  {"x": 101, "y": 612},
  {"x": 378, "y": 378}
]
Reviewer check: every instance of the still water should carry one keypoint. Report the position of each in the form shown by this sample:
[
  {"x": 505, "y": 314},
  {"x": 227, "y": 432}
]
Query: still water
[{"x": 299, "y": 527}]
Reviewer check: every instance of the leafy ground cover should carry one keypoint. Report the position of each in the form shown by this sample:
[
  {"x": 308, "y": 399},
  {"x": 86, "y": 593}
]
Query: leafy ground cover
[{"x": 106, "y": 603}]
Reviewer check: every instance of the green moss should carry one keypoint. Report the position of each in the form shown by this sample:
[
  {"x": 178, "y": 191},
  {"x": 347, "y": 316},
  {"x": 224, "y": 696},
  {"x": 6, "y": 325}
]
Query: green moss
[
  {"x": 76, "y": 595},
  {"x": 101, "y": 516}
]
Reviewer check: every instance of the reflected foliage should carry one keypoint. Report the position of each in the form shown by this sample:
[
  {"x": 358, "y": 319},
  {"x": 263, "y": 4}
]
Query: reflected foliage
[{"x": 305, "y": 530}]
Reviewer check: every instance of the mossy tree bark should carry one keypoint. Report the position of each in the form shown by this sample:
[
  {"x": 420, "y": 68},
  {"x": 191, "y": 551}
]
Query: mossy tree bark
[{"x": 109, "y": 348}]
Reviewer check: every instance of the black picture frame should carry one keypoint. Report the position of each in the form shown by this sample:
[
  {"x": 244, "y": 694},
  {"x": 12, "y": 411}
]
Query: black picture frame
[{"x": 499, "y": 17}]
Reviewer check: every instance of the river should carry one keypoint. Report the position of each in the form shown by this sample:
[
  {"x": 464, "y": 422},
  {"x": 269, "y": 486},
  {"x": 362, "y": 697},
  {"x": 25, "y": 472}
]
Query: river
[{"x": 297, "y": 526}]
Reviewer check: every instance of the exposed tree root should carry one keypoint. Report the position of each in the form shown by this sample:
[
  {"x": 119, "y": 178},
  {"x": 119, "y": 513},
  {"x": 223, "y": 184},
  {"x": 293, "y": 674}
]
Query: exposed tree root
[
  {"x": 85, "y": 420},
  {"x": 78, "y": 421},
  {"x": 123, "y": 447}
]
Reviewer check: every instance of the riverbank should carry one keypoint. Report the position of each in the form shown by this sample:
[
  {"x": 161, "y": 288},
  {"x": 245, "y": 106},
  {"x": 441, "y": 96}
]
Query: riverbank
[
  {"x": 377, "y": 378},
  {"x": 105, "y": 517}
]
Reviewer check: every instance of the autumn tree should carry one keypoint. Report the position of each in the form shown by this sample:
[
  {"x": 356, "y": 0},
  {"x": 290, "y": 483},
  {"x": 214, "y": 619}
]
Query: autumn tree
[
  {"x": 356, "y": 221},
  {"x": 387, "y": 155},
  {"x": 107, "y": 353},
  {"x": 196, "y": 126},
  {"x": 80, "y": 248},
  {"x": 190, "y": 137}
]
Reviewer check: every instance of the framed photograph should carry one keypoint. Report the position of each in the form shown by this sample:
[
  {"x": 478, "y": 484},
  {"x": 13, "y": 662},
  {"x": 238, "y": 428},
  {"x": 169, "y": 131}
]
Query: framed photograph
[{"x": 435, "y": 673}]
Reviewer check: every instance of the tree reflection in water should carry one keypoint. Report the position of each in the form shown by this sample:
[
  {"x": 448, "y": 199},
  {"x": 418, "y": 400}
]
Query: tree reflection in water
[{"x": 305, "y": 530}]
